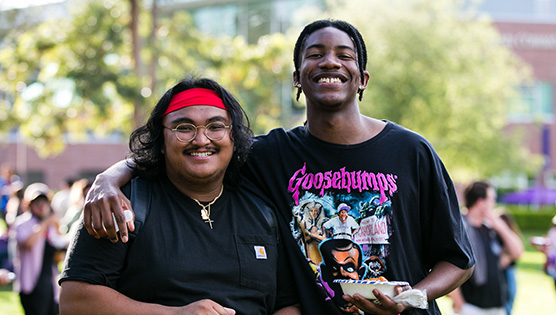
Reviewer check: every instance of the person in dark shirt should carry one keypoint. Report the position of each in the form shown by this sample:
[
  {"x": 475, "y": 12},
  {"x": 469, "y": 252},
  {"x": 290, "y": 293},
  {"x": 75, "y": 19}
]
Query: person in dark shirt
[
  {"x": 206, "y": 245},
  {"x": 493, "y": 242}
]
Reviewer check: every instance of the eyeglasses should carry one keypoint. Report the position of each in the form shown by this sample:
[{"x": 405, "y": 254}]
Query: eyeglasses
[{"x": 187, "y": 132}]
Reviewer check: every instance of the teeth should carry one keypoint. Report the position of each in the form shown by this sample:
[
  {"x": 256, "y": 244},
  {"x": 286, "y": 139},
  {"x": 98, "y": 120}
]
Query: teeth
[
  {"x": 201, "y": 153},
  {"x": 329, "y": 80}
]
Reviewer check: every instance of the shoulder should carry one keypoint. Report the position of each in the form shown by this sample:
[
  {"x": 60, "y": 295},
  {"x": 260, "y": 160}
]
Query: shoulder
[
  {"x": 413, "y": 143},
  {"x": 277, "y": 136},
  {"x": 404, "y": 134},
  {"x": 23, "y": 219}
]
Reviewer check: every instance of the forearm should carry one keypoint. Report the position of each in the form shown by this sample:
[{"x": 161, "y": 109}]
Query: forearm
[
  {"x": 513, "y": 246},
  {"x": 289, "y": 310},
  {"x": 457, "y": 300},
  {"x": 118, "y": 174},
  {"x": 512, "y": 243},
  {"x": 39, "y": 230},
  {"x": 443, "y": 279},
  {"x": 83, "y": 298}
]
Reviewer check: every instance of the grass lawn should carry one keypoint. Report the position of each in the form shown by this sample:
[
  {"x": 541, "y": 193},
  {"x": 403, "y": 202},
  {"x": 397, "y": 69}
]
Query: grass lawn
[
  {"x": 535, "y": 293},
  {"x": 9, "y": 302}
]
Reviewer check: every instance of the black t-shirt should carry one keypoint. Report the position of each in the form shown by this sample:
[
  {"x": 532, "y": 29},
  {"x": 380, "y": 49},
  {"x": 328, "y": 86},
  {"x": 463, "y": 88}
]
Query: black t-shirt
[
  {"x": 177, "y": 259},
  {"x": 402, "y": 211},
  {"x": 494, "y": 292}
]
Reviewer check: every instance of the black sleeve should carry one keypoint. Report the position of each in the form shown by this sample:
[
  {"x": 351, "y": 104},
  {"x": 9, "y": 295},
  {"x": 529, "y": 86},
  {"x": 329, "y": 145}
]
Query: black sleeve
[
  {"x": 445, "y": 238},
  {"x": 95, "y": 261},
  {"x": 286, "y": 291}
]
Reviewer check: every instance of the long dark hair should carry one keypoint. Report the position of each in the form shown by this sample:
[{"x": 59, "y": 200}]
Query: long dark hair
[
  {"x": 349, "y": 29},
  {"x": 146, "y": 142}
]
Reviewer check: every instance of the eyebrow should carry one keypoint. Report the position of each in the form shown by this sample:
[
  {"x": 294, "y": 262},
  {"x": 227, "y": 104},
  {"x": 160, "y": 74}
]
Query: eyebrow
[
  {"x": 179, "y": 120},
  {"x": 335, "y": 47}
]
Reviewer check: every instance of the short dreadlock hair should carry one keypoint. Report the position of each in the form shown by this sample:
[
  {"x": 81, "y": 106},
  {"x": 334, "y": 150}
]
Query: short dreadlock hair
[{"x": 349, "y": 29}]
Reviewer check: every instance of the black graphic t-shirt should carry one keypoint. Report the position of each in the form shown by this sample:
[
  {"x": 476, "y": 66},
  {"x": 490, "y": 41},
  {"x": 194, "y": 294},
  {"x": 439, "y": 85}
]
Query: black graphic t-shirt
[{"x": 382, "y": 208}]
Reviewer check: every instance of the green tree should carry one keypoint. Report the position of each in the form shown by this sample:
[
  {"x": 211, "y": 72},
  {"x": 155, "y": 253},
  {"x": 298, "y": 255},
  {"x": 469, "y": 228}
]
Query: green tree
[
  {"x": 440, "y": 70},
  {"x": 94, "y": 74},
  {"x": 435, "y": 68},
  {"x": 69, "y": 77}
]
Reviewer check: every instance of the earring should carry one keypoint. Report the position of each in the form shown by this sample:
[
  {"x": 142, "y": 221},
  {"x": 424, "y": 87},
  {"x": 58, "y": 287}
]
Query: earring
[{"x": 298, "y": 85}]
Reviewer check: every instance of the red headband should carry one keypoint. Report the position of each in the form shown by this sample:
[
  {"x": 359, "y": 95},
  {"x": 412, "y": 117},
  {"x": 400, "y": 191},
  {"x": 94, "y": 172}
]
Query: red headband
[{"x": 197, "y": 96}]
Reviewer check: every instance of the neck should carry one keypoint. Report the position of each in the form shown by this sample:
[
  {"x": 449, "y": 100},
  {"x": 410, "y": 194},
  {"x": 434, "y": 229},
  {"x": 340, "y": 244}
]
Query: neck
[
  {"x": 474, "y": 218},
  {"x": 209, "y": 201},
  {"x": 348, "y": 127},
  {"x": 203, "y": 192}
]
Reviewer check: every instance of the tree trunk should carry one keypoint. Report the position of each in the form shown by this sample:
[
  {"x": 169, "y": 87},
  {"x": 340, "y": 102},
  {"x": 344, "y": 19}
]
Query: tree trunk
[
  {"x": 153, "y": 46},
  {"x": 138, "y": 114}
]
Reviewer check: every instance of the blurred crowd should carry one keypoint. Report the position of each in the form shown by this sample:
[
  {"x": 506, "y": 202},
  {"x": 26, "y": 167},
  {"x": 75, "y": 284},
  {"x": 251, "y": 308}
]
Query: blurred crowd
[{"x": 35, "y": 230}]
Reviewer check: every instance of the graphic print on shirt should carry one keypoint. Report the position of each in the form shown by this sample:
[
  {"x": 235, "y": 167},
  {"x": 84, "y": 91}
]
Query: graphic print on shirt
[{"x": 342, "y": 223}]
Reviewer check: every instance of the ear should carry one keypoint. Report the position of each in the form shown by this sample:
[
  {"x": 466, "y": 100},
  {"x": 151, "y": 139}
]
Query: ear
[
  {"x": 366, "y": 78},
  {"x": 295, "y": 79}
]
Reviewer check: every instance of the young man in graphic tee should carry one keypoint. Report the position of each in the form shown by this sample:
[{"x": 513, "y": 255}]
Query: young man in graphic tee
[{"x": 396, "y": 186}]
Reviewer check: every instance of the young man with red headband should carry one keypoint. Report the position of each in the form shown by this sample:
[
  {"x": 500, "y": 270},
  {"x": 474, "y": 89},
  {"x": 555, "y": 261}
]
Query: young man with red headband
[
  {"x": 392, "y": 180},
  {"x": 206, "y": 247}
]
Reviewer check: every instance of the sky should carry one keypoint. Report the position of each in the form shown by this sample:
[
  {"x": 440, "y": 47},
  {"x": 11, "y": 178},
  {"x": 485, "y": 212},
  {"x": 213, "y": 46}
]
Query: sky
[{"x": 13, "y": 4}]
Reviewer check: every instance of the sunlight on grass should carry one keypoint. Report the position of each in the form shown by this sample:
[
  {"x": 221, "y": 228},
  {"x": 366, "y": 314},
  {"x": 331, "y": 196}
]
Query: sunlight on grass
[{"x": 9, "y": 302}]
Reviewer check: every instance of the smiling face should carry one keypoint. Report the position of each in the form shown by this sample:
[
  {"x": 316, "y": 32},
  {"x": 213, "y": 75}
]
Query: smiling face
[
  {"x": 328, "y": 71},
  {"x": 201, "y": 160},
  {"x": 343, "y": 215}
]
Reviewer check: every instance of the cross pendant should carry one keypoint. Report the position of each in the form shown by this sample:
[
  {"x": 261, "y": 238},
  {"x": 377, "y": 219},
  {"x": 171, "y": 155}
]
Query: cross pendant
[{"x": 209, "y": 221}]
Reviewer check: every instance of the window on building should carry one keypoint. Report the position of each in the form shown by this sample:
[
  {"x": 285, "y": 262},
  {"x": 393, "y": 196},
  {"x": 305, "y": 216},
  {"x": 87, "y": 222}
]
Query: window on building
[
  {"x": 250, "y": 19},
  {"x": 535, "y": 105},
  {"x": 225, "y": 15}
]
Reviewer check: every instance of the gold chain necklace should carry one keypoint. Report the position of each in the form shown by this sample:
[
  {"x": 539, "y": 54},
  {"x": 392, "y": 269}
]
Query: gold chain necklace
[{"x": 205, "y": 212}]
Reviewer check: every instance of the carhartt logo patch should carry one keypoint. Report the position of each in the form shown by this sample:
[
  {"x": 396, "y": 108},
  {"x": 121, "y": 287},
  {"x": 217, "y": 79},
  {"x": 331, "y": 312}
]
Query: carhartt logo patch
[{"x": 260, "y": 252}]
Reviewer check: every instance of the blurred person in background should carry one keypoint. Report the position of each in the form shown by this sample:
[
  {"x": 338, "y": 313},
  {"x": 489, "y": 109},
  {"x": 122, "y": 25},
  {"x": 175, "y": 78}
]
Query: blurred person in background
[
  {"x": 509, "y": 264},
  {"x": 61, "y": 200},
  {"x": 15, "y": 205},
  {"x": 547, "y": 245},
  {"x": 495, "y": 245},
  {"x": 36, "y": 235},
  {"x": 9, "y": 181},
  {"x": 77, "y": 195},
  {"x": 6, "y": 277}
]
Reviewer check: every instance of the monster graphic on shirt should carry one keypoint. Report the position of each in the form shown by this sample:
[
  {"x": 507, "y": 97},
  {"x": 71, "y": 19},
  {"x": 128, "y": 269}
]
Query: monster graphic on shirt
[{"x": 341, "y": 222}]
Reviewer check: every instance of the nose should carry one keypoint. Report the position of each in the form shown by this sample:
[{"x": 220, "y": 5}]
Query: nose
[
  {"x": 329, "y": 60},
  {"x": 200, "y": 138}
]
